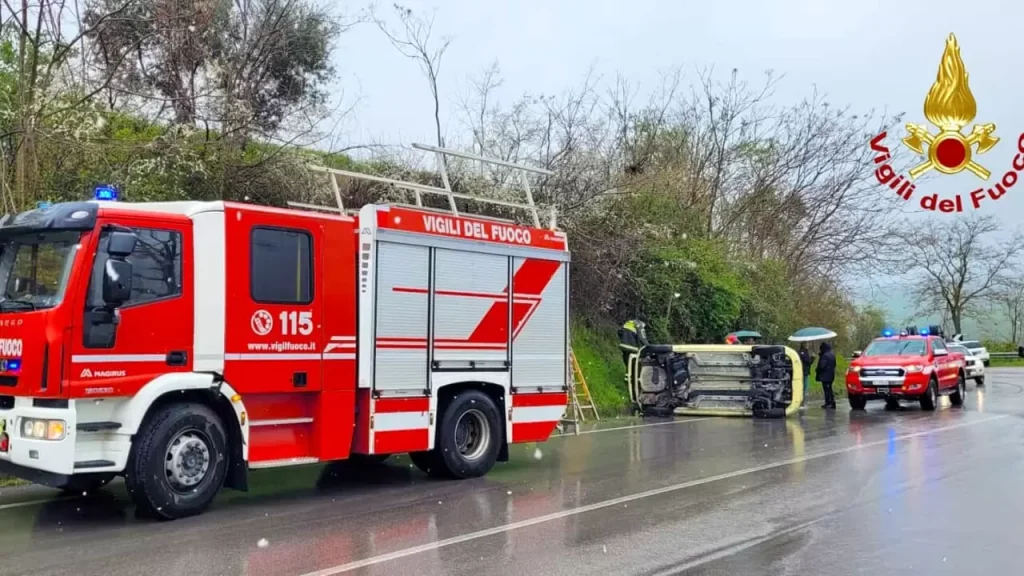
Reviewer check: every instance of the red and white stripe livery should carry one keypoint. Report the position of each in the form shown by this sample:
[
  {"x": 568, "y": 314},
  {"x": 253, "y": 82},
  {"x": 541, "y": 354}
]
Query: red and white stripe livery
[{"x": 282, "y": 336}]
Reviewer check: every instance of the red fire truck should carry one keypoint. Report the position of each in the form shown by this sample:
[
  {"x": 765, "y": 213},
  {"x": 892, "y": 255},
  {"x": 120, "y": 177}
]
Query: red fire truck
[{"x": 182, "y": 344}]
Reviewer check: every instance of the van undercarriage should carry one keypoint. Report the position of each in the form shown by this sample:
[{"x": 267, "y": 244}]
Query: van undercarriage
[{"x": 715, "y": 380}]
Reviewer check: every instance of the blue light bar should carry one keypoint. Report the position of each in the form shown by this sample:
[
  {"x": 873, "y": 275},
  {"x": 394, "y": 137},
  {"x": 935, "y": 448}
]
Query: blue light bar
[
  {"x": 10, "y": 365},
  {"x": 887, "y": 333},
  {"x": 923, "y": 331},
  {"x": 42, "y": 205},
  {"x": 106, "y": 193}
]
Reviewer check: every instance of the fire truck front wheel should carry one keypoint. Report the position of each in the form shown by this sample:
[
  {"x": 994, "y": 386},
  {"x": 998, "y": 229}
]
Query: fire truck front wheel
[
  {"x": 178, "y": 461},
  {"x": 469, "y": 437}
]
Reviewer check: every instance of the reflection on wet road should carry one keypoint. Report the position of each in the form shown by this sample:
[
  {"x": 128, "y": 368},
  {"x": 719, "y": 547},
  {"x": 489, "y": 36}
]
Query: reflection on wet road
[{"x": 828, "y": 493}]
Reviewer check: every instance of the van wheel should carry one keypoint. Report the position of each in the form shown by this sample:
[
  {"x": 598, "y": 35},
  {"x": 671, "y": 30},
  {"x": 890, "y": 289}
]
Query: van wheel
[
  {"x": 930, "y": 398},
  {"x": 178, "y": 463},
  {"x": 960, "y": 393},
  {"x": 469, "y": 437},
  {"x": 80, "y": 483}
]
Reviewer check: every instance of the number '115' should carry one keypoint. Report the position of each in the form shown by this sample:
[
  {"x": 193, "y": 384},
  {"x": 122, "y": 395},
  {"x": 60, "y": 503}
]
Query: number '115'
[{"x": 296, "y": 323}]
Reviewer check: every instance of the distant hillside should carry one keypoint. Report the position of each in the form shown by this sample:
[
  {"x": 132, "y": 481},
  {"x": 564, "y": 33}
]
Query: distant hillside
[{"x": 901, "y": 312}]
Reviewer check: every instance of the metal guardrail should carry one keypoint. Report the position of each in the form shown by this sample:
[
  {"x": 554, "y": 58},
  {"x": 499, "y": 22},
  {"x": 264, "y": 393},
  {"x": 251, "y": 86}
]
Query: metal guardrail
[{"x": 1017, "y": 354}]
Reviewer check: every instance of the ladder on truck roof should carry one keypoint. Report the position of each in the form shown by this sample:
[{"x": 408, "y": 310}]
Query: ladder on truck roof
[{"x": 420, "y": 189}]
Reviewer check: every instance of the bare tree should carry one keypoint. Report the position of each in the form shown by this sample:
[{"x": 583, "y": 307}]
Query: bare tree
[
  {"x": 1010, "y": 297},
  {"x": 47, "y": 82},
  {"x": 414, "y": 42},
  {"x": 957, "y": 266}
]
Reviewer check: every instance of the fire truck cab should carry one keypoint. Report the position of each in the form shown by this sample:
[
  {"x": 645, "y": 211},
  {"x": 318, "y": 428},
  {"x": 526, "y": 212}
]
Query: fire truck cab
[{"x": 181, "y": 344}]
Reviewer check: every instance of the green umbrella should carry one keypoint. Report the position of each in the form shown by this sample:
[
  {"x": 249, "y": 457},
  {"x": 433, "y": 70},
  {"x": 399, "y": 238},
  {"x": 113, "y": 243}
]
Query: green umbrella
[
  {"x": 812, "y": 334},
  {"x": 743, "y": 334}
]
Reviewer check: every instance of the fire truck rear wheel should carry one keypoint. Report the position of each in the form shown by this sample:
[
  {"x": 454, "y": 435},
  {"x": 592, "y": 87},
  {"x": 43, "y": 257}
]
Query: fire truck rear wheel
[
  {"x": 469, "y": 437},
  {"x": 179, "y": 461},
  {"x": 427, "y": 462}
]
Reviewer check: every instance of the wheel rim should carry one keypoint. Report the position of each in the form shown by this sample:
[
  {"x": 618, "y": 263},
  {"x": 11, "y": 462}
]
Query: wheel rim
[
  {"x": 932, "y": 394},
  {"x": 472, "y": 434},
  {"x": 962, "y": 386},
  {"x": 187, "y": 461}
]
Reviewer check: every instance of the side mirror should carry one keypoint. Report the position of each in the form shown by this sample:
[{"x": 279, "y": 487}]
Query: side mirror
[
  {"x": 856, "y": 353},
  {"x": 121, "y": 244},
  {"x": 117, "y": 282}
]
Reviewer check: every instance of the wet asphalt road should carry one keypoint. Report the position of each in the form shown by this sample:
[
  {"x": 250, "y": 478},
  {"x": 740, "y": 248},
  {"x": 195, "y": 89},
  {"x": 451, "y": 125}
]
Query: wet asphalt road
[{"x": 880, "y": 492}]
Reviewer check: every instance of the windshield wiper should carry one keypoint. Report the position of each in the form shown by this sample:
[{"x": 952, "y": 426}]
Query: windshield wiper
[{"x": 26, "y": 304}]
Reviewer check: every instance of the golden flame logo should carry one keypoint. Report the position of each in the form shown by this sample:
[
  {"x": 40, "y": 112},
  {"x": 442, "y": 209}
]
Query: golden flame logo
[{"x": 950, "y": 106}]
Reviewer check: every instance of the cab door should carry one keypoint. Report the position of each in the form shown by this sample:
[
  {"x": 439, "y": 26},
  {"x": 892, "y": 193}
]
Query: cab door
[{"x": 150, "y": 334}]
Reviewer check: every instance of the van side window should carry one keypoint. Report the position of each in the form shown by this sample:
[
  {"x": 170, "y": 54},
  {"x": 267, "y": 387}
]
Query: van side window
[
  {"x": 156, "y": 267},
  {"x": 281, "y": 266}
]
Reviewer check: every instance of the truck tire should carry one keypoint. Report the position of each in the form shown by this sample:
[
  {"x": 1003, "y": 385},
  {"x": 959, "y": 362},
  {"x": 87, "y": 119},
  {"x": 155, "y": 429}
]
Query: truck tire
[
  {"x": 960, "y": 393},
  {"x": 857, "y": 402},
  {"x": 979, "y": 381},
  {"x": 468, "y": 438},
  {"x": 179, "y": 461},
  {"x": 930, "y": 398},
  {"x": 81, "y": 483},
  {"x": 427, "y": 463}
]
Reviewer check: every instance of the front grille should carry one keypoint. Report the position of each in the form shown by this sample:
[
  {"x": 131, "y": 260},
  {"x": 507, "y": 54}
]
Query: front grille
[
  {"x": 9, "y": 381},
  {"x": 881, "y": 372}
]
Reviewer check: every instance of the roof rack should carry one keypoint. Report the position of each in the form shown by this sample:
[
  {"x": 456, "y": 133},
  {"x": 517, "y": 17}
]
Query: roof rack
[{"x": 420, "y": 189}]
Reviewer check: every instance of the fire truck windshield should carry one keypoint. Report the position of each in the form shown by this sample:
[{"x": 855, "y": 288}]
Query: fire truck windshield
[
  {"x": 895, "y": 348},
  {"x": 34, "y": 269}
]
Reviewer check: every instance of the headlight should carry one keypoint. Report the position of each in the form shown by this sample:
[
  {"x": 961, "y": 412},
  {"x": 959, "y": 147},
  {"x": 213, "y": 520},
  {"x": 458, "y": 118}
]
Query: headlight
[
  {"x": 853, "y": 369},
  {"x": 914, "y": 369},
  {"x": 43, "y": 429}
]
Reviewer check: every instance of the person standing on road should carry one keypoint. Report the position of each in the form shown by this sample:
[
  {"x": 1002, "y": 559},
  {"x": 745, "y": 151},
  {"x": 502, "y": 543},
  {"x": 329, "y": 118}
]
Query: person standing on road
[
  {"x": 827, "y": 374},
  {"x": 806, "y": 358}
]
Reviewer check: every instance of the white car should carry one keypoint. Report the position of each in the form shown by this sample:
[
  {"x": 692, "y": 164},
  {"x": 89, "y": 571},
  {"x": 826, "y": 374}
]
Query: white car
[
  {"x": 977, "y": 349},
  {"x": 974, "y": 366}
]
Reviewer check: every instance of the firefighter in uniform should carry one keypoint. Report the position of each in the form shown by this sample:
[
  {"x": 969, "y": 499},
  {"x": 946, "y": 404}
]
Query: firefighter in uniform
[{"x": 632, "y": 337}]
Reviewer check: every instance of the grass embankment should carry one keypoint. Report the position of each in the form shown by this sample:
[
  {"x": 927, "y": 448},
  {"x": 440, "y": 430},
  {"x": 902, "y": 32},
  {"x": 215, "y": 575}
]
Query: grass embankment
[
  {"x": 1015, "y": 362},
  {"x": 597, "y": 351},
  {"x": 7, "y": 481}
]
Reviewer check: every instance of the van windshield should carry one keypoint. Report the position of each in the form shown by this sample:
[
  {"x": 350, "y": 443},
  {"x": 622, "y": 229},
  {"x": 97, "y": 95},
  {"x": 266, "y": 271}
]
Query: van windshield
[{"x": 34, "y": 269}]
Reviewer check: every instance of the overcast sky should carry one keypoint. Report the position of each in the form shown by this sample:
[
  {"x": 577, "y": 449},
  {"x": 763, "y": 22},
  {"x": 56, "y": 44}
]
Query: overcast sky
[{"x": 868, "y": 54}]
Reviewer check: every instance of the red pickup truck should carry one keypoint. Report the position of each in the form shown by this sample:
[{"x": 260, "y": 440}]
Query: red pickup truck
[{"x": 914, "y": 368}]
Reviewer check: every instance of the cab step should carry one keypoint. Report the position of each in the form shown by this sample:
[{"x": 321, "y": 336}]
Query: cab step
[{"x": 97, "y": 426}]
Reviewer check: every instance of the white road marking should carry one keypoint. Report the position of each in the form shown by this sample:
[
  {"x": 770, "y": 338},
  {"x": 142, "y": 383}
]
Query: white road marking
[
  {"x": 625, "y": 500},
  {"x": 681, "y": 421},
  {"x": 30, "y": 503}
]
